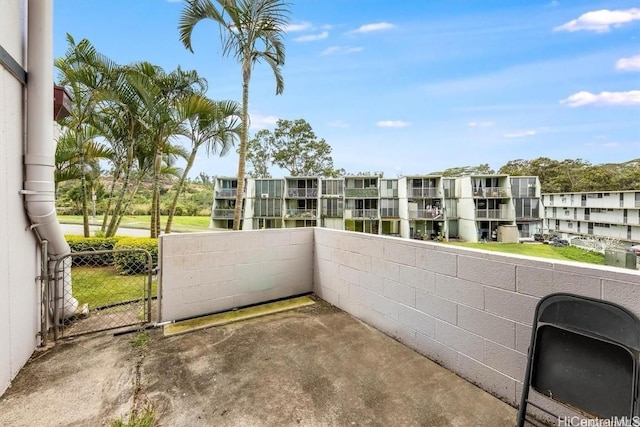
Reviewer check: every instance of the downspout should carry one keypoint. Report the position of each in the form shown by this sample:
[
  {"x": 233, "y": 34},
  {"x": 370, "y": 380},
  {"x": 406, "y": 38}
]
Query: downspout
[{"x": 39, "y": 159}]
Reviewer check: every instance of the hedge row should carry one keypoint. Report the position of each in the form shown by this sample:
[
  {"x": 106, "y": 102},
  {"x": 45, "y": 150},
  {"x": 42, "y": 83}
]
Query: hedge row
[{"x": 126, "y": 263}]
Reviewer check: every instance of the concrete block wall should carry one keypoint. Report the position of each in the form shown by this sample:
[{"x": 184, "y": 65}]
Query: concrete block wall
[
  {"x": 469, "y": 310},
  {"x": 203, "y": 273}
]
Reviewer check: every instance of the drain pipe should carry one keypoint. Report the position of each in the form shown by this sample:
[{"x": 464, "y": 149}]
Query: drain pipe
[{"x": 39, "y": 159}]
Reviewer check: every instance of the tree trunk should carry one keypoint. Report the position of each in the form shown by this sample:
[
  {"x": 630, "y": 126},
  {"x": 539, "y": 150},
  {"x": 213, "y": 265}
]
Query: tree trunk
[
  {"x": 179, "y": 189},
  {"x": 113, "y": 224},
  {"x": 155, "y": 201},
  {"x": 112, "y": 191},
  {"x": 242, "y": 152}
]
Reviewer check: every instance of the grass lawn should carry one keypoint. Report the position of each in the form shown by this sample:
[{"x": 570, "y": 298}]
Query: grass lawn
[
  {"x": 103, "y": 286},
  {"x": 180, "y": 223},
  {"x": 568, "y": 253}
]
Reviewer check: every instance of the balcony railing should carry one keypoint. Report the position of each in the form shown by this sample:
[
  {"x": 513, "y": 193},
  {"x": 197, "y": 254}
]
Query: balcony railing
[
  {"x": 389, "y": 212},
  {"x": 333, "y": 213},
  {"x": 492, "y": 192},
  {"x": 361, "y": 192},
  {"x": 426, "y": 214},
  {"x": 494, "y": 214},
  {"x": 426, "y": 193},
  {"x": 364, "y": 213},
  {"x": 300, "y": 214},
  {"x": 302, "y": 193},
  {"x": 223, "y": 213},
  {"x": 226, "y": 193},
  {"x": 270, "y": 213}
]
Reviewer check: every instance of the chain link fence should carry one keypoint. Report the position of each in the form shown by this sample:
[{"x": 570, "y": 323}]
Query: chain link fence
[{"x": 102, "y": 290}]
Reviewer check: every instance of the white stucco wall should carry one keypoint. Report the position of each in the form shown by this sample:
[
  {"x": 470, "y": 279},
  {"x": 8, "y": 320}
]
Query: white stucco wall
[{"x": 18, "y": 252}]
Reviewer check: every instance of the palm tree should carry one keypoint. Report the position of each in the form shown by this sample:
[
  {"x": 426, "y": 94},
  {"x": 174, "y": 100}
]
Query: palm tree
[
  {"x": 85, "y": 72},
  {"x": 212, "y": 124},
  {"x": 251, "y": 31}
]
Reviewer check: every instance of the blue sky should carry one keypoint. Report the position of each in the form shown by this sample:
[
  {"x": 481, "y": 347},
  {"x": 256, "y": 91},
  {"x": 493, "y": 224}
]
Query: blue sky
[{"x": 413, "y": 86}]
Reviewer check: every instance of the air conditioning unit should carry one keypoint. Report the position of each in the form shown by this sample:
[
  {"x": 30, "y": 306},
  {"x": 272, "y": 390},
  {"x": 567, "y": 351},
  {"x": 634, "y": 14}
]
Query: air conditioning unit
[{"x": 264, "y": 196}]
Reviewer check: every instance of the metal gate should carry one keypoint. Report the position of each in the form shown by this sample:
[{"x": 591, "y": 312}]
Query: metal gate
[{"x": 102, "y": 290}]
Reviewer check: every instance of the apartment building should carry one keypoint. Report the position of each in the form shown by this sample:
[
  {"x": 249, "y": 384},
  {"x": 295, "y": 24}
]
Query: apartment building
[
  {"x": 614, "y": 214},
  {"x": 526, "y": 196},
  {"x": 471, "y": 208}
]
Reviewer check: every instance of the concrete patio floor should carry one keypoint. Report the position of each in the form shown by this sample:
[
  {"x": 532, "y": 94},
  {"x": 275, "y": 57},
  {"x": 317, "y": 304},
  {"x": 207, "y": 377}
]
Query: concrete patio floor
[{"x": 313, "y": 366}]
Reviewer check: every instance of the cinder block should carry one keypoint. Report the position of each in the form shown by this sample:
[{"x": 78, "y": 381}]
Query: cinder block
[
  {"x": 215, "y": 275},
  {"x": 348, "y": 274},
  {"x": 301, "y": 236},
  {"x": 226, "y": 258},
  {"x": 627, "y": 294},
  {"x": 511, "y": 305},
  {"x": 581, "y": 284},
  {"x": 176, "y": 279},
  {"x": 505, "y": 360},
  {"x": 417, "y": 320},
  {"x": 230, "y": 288},
  {"x": 399, "y": 253},
  {"x": 437, "y": 261},
  {"x": 437, "y": 307},
  {"x": 487, "y": 325},
  {"x": 359, "y": 262},
  {"x": 462, "y": 341},
  {"x": 398, "y": 292},
  {"x": 254, "y": 239},
  {"x": 437, "y": 352},
  {"x": 487, "y": 378},
  {"x": 371, "y": 282},
  {"x": 386, "y": 269},
  {"x": 540, "y": 282},
  {"x": 459, "y": 290},
  {"x": 218, "y": 242},
  {"x": 371, "y": 247},
  {"x": 181, "y": 244},
  {"x": 275, "y": 238},
  {"x": 523, "y": 337},
  {"x": 490, "y": 273},
  {"x": 417, "y": 278},
  {"x": 329, "y": 295}
]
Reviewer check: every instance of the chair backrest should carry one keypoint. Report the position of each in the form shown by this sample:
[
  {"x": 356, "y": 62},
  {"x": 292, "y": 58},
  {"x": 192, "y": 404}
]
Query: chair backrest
[{"x": 585, "y": 354}]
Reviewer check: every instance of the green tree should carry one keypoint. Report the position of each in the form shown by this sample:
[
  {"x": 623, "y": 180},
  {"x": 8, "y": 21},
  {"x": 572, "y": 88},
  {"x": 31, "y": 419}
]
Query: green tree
[
  {"x": 292, "y": 146},
  {"x": 84, "y": 72},
  {"x": 251, "y": 31}
]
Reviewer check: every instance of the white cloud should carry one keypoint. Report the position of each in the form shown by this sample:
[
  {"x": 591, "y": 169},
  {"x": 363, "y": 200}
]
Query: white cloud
[
  {"x": 259, "y": 121},
  {"x": 298, "y": 27},
  {"x": 392, "y": 124},
  {"x": 611, "y": 144},
  {"x": 579, "y": 99},
  {"x": 337, "y": 50},
  {"x": 628, "y": 64},
  {"x": 520, "y": 134},
  {"x": 480, "y": 124},
  {"x": 600, "y": 21},
  {"x": 338, "y": 124},
  {"x": 378, "y": 26},
  {"x": 312, "y": 37}
]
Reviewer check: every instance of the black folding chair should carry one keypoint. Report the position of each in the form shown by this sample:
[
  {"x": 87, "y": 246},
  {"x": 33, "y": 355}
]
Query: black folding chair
[{"x": 584, "y": 353}]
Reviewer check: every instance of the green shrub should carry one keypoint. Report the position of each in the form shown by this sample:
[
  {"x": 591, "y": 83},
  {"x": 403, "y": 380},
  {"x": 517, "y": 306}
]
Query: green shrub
[
  {"x": 86, "y": 244},
  {"x": 129, "y": 263}
]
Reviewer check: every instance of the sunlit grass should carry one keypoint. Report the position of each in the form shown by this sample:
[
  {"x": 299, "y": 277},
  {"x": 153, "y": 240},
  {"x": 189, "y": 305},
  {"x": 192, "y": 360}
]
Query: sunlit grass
[
  {"x": 103, "y": 286},
  {"x": 180, "y": 223},
  {"x": 567, "y": 253}
]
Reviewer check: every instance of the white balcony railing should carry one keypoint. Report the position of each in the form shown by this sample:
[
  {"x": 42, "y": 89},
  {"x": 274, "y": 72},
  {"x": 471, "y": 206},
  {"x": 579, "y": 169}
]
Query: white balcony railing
[
  {"x": 226, "y": 193},
  {"x": 426, "y": 214},
  {"x": 494, "y": 214},
  {"x": 302, "y": 193},
  {"x": 300, "y": 214},
  {"x": 426, "y": 193},
  {"x": 492, "y": 192},
  {"x": 365, "y": 213}
]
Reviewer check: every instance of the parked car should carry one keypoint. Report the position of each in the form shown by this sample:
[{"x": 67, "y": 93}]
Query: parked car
[{"x": 636, "y": 249}]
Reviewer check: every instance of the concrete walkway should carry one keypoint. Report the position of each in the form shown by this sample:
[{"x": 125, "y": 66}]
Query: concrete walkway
[{"x": 313, "y": 366}]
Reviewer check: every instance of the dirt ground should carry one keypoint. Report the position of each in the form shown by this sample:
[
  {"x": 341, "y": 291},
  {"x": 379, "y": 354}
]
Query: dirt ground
[{"x": 314, "y": 366}]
